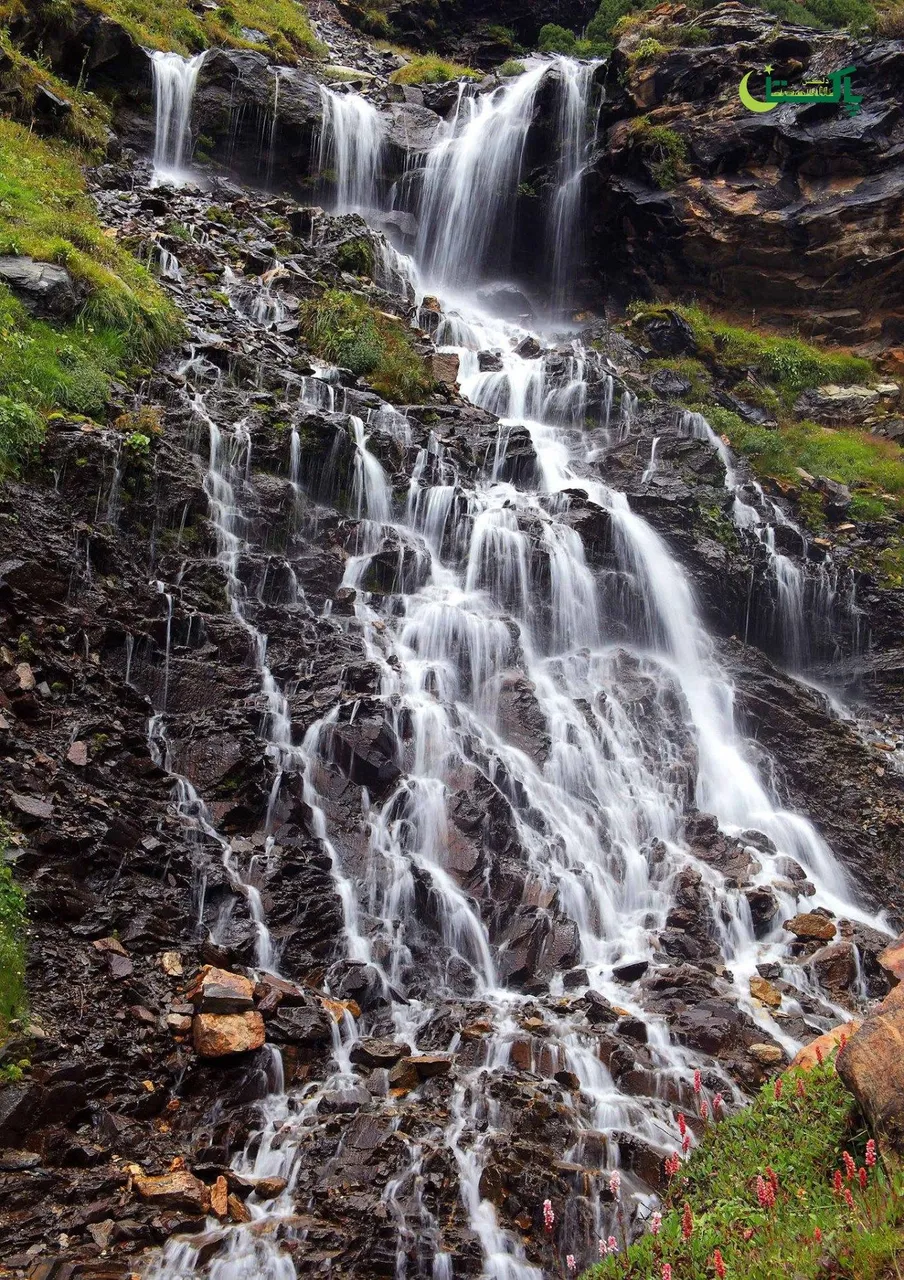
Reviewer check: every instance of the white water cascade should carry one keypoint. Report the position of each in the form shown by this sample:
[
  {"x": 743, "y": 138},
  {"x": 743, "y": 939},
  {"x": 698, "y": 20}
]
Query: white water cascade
[
  {"x": 351, "y": 150},
  {"x": 588, "y": 818},
  {"x": 175, "y": 81}
]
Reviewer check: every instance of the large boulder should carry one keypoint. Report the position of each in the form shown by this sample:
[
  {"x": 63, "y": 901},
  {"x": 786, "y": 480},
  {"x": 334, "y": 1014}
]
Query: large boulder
[
  {"x": 44, "y": 289},
  {"x": 871, "y": 1064},
  {"x": 220, "y": 1035}
]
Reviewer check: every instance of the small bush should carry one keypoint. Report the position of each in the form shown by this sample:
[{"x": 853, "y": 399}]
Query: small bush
[
  {"x": 602, "y": 26},
  {"x": 648, "y": 50},
  {"x": 345, "y": 330},
  {"x": 556, "y": 39},
  {"x": 511, "y": 67},
  {"x": 429, "y": 68}
]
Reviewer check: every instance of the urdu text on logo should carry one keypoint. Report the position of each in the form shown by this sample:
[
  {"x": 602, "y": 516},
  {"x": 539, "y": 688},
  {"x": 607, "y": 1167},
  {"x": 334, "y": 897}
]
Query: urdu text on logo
[{"x": 832, "y": 88}]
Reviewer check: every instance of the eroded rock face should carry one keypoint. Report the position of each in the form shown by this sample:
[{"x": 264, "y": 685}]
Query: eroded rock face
[
  {"x": 756, "y": 213},
  {"x": 44, "y": 289}
]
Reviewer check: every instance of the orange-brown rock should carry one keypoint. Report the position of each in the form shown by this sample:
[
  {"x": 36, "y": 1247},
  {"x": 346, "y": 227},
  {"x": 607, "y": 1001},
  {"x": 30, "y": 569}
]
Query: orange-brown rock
[
  {"x": 238, "y": 1211},
  {"x": 217, "y": 1035},
  {"x": 808, "y": 1057},
  {"x": 219, "y": 991},
  {"x": 892, "y": 960},
  {"x": 219, "y": 1195},
  {"x": 765, "y": 992},
  {"x": 871, "y": 1064},
  {"x": 179, "y": 1190},
  {"x": 811, "y": 927}
]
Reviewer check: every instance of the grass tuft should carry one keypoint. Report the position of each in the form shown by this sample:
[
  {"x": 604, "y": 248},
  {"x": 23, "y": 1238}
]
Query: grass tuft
[
  {"x": 430, "y": 68},
  {"x": 347, "y": 331},
  {"x": 171, "y": 24}
]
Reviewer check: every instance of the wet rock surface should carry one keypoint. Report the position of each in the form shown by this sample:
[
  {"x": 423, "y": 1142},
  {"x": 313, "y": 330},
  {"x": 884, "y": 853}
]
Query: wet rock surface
[{"x": 163, "y": 828}]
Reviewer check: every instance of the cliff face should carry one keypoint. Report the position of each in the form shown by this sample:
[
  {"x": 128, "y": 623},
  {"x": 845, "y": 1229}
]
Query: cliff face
[
  {"x": 795, "y": 214},
  {"x": 260, "y": 1027}
]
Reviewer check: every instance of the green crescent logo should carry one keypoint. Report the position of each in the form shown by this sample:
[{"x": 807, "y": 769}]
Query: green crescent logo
[{"x": 751, "y": 103}]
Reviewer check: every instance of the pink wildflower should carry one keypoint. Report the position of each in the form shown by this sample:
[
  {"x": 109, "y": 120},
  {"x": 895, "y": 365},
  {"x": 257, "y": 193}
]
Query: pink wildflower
[
  {"x": 772, "y": 1176},
  {"x": 549, "y": 1217},
  {"x": 777, "y": 1089},
  {"x": 687, "y": 1222},
  {"x": 570, "y": 1263},
  {"x": 613, "y": 1244},
  {"x": 704, "y": 1109},
  {"x": 862, "y": 1176},
  {"x": 820, "y": 1057},
  {"x": 603, "y": 1249},
  {"x": 850, "y": 1167},
  {"x": 800, "y": 1090},
  {"x": 666, "y": 1271},
  {"x": 765, "y": 1192},
  {"x": 848, "y": 1198},
  {"x": 682, "y": 1124},
  {"x": 718, "y": 1100},
  {"x": 672, "y": 1164},
  {"x": 836, "y": 1182},
  {"x": 655, "y": 1224},
  {"x": 614, "y": 1183},
  {"x": 817, "y": 1235},
  {"x": 698, "y": 1082},
  {"x": 686, "y": 1143},
  {"x": 719, "y": 1264},
  {"x": 870, "y": 1153}
]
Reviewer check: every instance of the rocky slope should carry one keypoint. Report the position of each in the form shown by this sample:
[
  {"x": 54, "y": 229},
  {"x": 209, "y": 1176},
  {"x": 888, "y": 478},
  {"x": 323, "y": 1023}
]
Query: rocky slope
[{"x": 137, "y": 724}]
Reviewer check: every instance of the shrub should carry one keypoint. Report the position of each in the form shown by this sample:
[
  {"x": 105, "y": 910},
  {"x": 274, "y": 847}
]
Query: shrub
[
  {"x": 648, "y": 50},
  {"x": 511, "y": 67},
  {"x": 347, "y": 331},
  {"x": 556, "y": 39},
  {"x": 430, "y": 68},
  {"x": 602, "y": 25}
]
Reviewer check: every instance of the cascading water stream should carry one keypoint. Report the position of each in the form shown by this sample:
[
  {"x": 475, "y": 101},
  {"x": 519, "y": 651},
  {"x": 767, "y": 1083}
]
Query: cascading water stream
[
  {"x": 493, "y": 584},
  {"x": 175, "y": 81}
]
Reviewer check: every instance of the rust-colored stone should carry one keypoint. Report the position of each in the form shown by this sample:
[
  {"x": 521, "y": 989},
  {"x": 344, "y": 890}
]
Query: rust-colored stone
[
  {"x": 811, "y": 927},
  {"x": 892, "y": 960},
  {"x": 217, "y": 1035},
  {"x": 807, "y": 1058},
  {"x": 178, "y": 1190}
]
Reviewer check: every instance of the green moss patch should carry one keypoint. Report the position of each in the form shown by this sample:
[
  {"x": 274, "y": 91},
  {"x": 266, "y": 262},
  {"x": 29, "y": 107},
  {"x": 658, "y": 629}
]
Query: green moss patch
[
  {"x": 760, "y": 1189},
  {"x": 12, "y": 940},
  {"x": 347, "y": 331},
  {"x": 174, "y": 25}
]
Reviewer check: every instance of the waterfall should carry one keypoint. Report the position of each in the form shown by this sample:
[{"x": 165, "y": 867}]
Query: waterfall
[
  {"x": 175, "y": 81},
  {"x": 473, "y": 175},
  {"x": 351, "y": 149},
  {"x": 638, "y": 729}
]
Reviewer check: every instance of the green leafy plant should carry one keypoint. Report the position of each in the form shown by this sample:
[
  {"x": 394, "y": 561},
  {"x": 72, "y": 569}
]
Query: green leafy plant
[
  {"x": 648, "y": 50},
  {"x": 356, "y": 256},
  {"x": 556, "y": 39},
  {"x": 511, "y": 67}
]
